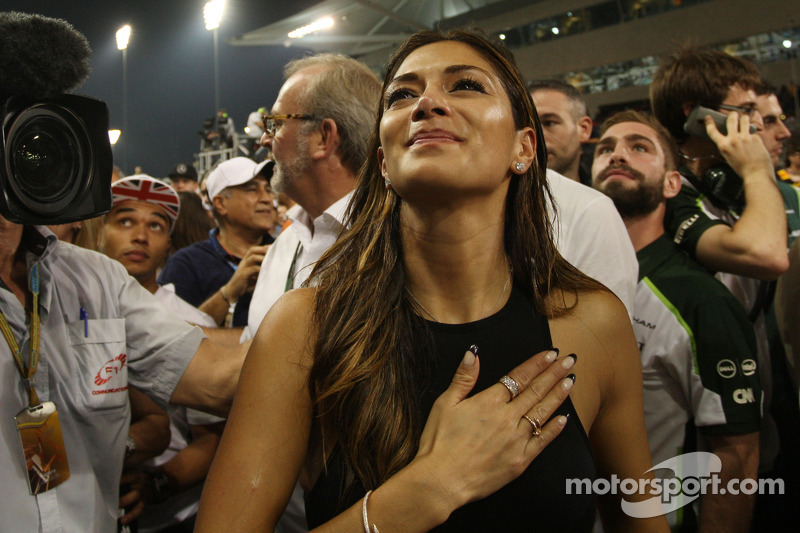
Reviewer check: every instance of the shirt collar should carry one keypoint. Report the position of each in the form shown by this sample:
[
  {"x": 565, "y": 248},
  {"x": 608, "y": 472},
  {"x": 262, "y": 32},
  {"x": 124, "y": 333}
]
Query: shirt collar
[
  {"x": 333, "y": 218},
  {"x": 654, "y": 254}
]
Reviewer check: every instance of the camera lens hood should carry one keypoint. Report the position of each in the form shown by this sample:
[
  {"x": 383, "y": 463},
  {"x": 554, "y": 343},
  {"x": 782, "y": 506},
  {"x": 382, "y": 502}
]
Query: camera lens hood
[{"x": 57, "y": 161}]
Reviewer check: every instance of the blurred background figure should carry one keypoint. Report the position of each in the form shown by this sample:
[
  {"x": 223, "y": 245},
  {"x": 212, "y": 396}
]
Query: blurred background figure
[
  {"x": 193, "y": 222},
  {"x": 183, "y": 177}
]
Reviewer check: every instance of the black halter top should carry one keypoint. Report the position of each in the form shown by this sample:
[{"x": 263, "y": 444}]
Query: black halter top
[{"x": 537, "y": 500}]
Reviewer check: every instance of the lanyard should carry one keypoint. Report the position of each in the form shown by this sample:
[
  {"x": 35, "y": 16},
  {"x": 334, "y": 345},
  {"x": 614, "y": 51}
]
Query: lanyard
[
  {"x": 290, "y": 277},
  {"x": 27, "y": 370}
]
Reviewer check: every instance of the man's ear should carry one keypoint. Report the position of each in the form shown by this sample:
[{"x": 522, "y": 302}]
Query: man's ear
[
  {"x": 672, "y": 184},
  {"x": 325, "y": 140},
  {"x": 219, "y": 204},
  {"x": 525, "y": 150},
  {"x": 585, "y": 125}
]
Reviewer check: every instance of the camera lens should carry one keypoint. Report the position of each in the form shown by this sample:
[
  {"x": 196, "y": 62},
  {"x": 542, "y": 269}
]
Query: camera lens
[{"x": 46, "y": 150}]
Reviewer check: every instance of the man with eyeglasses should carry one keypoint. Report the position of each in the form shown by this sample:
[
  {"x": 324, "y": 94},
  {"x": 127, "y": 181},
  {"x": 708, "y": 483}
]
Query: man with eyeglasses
[
  {"x": 317, "y": 134},
  {"x": 722, "y": 173},
  {"x": 774, "y": 135}
]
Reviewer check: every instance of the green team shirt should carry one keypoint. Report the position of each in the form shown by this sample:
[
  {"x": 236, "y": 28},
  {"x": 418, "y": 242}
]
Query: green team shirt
[{"x": 698, "y": 352}]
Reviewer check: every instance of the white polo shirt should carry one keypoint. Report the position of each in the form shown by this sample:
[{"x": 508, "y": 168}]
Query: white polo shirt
[
  {"x": 85, "y": 368},
  {"x": 590, "y": 234}
]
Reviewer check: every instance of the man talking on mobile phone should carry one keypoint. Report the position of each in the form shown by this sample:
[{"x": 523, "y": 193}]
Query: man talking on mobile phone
[{"x": 729, "y": 214}]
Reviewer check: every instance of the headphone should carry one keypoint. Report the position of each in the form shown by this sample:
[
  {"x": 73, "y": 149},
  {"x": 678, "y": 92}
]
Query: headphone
[{"x": 721, "y": 184}]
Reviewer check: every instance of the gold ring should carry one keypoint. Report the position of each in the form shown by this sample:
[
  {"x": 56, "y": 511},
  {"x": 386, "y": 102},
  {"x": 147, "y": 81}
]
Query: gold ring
[
  {"x": 537, "y": 426},
  {"x": 511, "y": 385}
]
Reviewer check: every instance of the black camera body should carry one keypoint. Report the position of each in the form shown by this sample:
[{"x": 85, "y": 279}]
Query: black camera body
[{"x": 56, "y": 161}]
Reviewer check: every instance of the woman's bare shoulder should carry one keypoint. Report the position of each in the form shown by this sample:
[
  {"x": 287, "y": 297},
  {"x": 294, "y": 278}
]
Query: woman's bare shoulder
[
  {"x": 599, "y": 307},
  {"x": 598, "y": 318},
  {"x": 289, "y": 323}
]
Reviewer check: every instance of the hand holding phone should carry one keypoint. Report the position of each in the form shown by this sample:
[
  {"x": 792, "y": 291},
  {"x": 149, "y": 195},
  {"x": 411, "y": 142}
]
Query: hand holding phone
[{"x": 695, "y": 124}]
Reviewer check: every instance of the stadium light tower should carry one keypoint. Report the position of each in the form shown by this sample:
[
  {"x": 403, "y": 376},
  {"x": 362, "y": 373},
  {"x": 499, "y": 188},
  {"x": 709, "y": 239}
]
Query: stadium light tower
[{"x": 212, "y": 13}]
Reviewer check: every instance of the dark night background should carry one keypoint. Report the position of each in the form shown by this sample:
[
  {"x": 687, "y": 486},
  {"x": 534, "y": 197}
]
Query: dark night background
[{"x": 171, "y": 68}]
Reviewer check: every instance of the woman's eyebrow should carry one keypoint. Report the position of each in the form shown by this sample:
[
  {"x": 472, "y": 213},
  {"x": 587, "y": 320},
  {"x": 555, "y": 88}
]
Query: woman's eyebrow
[{"x": 452, "y": 69}]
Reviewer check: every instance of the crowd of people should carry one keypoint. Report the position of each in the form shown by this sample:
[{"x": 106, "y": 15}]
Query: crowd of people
[{"x": 426, "y": 310}]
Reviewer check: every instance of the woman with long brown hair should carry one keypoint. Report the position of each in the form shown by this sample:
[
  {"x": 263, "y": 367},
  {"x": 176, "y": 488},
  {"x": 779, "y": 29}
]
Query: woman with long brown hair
[{"x": 349, "y": 386}]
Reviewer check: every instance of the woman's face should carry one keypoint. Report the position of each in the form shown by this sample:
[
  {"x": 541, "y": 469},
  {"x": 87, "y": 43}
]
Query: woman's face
[{"x": 447, "y": 124}]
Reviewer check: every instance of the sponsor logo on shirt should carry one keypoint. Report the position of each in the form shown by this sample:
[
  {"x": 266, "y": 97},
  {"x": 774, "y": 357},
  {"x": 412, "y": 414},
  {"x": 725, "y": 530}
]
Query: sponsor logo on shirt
[
  {"x": 726, "y": 368},
  {"x": 644, "y": 323},
  {"x": 743, "y": 396},
  {"x": 104, "y": 379},
  {"x": 749, "y": 367},
  {"x": 685, "y": 225}
]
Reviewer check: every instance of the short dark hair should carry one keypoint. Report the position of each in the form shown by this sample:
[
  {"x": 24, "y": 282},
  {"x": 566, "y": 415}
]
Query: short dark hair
[
  {"x": 574, "y": 96},
  {"x": 766, "y": 89},
  {"x": 696, "y": 77},
  {"x": 668, "y": 144}
]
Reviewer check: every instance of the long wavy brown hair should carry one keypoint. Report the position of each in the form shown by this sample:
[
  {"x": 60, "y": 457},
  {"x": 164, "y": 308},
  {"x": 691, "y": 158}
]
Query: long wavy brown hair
[{"x": 372, "y": 350}]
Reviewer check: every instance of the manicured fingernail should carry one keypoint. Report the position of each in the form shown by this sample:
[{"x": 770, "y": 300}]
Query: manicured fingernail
[
  {"x": 469, "y": 358},
  {"x": 473, "y": 349},
  {"x": 569, "y": 360},
  {"x": 568, "y": 382},
  {"x": 552, "y": 355},
  {"x": 562, "y": 420},
  {"x": 572, "y": 377}
]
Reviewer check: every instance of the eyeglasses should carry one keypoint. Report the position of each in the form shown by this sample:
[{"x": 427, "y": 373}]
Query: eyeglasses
[
  {"x": 273, "y": 122},
  {"x": 749, "y": 109}
]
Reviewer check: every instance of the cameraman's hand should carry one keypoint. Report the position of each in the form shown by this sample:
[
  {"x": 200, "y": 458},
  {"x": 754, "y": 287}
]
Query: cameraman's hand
[
  {"x": 744, "y": 151},
  {"x": 139, "y": 491},
  {"x": 244, "y": 279}
]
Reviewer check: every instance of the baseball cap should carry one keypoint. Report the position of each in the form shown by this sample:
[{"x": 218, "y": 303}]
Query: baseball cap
[
  {"x": 265, "y": 169},
  {"x": 182, "y": 170},
  {"x": 147, "y": 189},
  {"x": 229, "y": 173}
]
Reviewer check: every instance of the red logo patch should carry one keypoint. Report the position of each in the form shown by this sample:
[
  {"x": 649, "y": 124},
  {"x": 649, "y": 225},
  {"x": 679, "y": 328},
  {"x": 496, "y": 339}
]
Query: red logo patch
[{"x": 110, "y": 369}]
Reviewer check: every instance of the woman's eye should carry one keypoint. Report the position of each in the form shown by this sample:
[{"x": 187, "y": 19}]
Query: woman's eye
[
  {"x": 469, "y": 84},
  {"x": 397, "y": 94},
  {"x": 155, "y": 226}
]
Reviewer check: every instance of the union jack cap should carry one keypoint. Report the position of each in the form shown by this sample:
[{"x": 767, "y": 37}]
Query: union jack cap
[{"x": 147, "y": 189}]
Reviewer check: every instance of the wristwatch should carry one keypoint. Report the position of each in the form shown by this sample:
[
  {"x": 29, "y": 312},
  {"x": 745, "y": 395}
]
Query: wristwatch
[
  {"x": 160, "y": 484},
  {"x": 130, "y": 447}
]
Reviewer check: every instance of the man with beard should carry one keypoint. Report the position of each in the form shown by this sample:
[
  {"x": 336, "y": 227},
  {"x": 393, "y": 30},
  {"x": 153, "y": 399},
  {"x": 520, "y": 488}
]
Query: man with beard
[
  {"x": 698, "y": 349},
  {"x": 317, "y": 133}
]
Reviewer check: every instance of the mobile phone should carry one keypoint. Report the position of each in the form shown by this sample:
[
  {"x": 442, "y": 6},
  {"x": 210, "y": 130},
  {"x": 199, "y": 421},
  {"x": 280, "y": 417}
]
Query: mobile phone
[{"x": 695, "y": 124}]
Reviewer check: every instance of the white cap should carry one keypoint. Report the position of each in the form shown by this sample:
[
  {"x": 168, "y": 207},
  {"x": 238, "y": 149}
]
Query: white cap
[
  {"x": 229, "y": 173},
  {"x": 265, "y": 169}
]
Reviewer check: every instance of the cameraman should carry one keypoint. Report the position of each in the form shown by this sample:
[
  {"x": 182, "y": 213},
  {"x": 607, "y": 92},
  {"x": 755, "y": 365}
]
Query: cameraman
[
  {"x": 729, "y": 214},
  {"x": 77, "y": 328}
]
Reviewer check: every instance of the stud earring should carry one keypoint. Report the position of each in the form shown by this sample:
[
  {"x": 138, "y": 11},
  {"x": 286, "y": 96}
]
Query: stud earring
[
  {"x": 520, "y": 166},
  {"x": 387, "y": 182}
]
